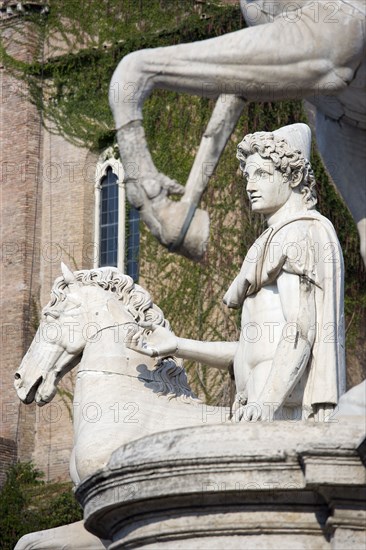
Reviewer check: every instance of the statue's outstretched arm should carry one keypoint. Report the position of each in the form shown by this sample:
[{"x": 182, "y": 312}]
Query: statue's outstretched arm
[
  {"x": 213, "y": 354},
  {"x": 157, "y": 341}
]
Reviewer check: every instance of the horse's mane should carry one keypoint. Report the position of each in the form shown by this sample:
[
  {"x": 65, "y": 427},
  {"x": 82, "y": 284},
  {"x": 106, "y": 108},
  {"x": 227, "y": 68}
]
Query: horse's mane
[
  {"x": 169, "y": 377},
  {"x": 136, "y": 299}
]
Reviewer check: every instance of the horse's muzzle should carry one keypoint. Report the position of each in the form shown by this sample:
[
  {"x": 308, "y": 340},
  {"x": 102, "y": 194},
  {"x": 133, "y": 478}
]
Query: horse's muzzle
[{"x": 24, "y": 394}]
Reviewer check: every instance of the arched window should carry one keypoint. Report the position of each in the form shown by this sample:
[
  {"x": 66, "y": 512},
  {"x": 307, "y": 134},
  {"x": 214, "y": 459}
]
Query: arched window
[
  {"x": 108, "y": 220},
  {"x": 117, "y": 224},
  {"x": 133, "y": 243}
]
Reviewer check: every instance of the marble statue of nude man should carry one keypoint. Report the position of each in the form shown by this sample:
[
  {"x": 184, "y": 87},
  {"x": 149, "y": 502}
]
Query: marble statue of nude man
[{"x": 289, "y": 361}]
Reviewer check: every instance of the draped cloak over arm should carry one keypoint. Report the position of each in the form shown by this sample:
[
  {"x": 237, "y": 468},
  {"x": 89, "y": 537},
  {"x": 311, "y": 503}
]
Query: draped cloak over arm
[{"x": 307, "y": 246}]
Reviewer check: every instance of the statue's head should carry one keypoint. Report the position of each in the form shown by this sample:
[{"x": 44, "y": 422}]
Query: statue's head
[{"x": 281, "y": 158}]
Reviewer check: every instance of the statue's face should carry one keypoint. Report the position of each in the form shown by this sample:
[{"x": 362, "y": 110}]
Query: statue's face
[{"x": 266, "y": 187}]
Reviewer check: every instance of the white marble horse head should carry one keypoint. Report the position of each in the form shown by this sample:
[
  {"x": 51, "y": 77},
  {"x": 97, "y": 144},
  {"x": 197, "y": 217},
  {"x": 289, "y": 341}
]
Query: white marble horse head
[{"x": 83, "y": 304}]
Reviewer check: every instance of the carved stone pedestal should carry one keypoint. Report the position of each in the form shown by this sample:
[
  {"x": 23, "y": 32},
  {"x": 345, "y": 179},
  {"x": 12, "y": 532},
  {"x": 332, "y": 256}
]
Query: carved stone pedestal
[{"x": 280, "y": 485}]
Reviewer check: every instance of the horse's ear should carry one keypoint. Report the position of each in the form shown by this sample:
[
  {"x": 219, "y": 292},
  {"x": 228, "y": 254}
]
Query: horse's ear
[{"x": 67, "y": 274}]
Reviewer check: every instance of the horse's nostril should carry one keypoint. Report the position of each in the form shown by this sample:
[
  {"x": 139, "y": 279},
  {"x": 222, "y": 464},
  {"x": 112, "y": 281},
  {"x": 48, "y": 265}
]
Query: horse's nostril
[{"x": 17, "y": 376}]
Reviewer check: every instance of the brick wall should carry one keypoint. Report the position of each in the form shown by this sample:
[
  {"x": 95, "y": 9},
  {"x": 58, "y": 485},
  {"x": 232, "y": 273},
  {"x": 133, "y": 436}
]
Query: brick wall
[
  {"x": 21, "y": 143},
  {"x": 8, "y": 454},
  {"x": 46, "y": 216}
]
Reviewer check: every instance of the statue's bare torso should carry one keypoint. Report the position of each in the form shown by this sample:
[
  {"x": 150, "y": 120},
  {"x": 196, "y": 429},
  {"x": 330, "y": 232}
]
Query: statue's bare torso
[
  {"x": 258, "y": 339},
  {"x": 263, "y": 323}
]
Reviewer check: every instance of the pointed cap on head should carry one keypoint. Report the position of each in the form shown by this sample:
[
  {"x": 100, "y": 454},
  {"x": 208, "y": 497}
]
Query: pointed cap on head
[{"x": 298, "y": 136}]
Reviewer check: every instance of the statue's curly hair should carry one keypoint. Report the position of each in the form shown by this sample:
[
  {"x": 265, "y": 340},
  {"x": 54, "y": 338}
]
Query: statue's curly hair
[{"x": 289, "y": 161}]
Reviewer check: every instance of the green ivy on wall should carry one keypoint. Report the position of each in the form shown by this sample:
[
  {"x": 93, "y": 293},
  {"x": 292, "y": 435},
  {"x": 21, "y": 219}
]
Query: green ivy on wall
[{"x": 79, "y": 46}]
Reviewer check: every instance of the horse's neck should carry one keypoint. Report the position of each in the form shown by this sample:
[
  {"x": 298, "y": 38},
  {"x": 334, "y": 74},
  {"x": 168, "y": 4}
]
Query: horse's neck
[{"x": 106, "y": 352}]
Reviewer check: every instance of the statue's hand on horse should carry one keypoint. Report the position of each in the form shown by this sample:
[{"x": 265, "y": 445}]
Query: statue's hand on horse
[{"x": 152, "y": 340}]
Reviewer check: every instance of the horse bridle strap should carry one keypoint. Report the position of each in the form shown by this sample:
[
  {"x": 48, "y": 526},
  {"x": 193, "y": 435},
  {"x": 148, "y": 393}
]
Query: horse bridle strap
[
  {"x": 175, "y": 245},
  {"x": 117, "y": 325}
]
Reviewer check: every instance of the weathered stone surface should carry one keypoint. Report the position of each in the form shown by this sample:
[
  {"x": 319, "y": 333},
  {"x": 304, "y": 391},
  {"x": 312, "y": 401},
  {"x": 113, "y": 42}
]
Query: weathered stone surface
[
  {"x": 353, "y": 402},
  {"x": 265, "y": 485},
  {"x": 66, "y": 537}
]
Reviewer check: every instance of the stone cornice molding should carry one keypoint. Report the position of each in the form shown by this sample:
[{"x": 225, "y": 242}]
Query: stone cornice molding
[{"x": 252, "y": 476}]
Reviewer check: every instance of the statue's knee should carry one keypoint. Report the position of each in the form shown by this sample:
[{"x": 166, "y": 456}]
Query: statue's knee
[
  {"x": 131, "y": 63},
  {"x": 129, "y": 87},
  {"x": 127, "y": 76}
]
